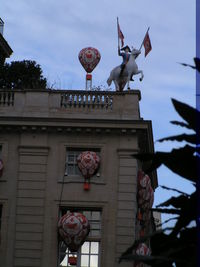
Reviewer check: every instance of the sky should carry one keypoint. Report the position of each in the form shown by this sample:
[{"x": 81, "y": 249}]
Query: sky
[{"x": 53, "y": 32}]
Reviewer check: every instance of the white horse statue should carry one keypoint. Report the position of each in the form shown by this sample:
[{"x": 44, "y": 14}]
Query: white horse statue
[{"x": 130, "y": 70}]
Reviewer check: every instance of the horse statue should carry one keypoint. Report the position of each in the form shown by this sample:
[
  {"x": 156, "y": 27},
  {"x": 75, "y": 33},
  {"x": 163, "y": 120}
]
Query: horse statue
[{"x": 130, "y": 70}]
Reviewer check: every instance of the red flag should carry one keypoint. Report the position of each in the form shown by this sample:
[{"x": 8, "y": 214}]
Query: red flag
[
  {"x": 147, "y": 44},
  {"x": 120, "y": 34}
]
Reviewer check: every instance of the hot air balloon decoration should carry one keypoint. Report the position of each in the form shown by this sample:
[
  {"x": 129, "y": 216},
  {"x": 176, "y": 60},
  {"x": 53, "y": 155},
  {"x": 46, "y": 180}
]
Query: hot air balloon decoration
[
  {"x": 145, "y": 198},
  {"x": 142, "y": 250},
  {"x": 89, "y": 57},
  {"x": 145, "y": 191},
  {"x": 73, "y": 228},
  {"x": 88, "y": 163}
]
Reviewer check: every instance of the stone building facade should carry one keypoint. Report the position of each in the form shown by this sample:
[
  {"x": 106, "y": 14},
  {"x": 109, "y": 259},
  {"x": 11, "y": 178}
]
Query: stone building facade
[
  {"x": 41, "y": 132},
  {"x": 5, "y": 49}
]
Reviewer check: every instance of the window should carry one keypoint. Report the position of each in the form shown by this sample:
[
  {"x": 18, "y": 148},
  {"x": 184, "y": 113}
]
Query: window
[
  {"x": 71, "y": 166},
  {"x": 88, "y": 254}
]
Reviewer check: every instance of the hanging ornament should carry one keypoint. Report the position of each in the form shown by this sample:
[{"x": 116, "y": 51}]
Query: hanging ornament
[
  {"x": 1, "y": 167},
  {"x": 89, "y": 57},
  {"x": 73, "y": 229},
  {"x": 144, "y": 180},
  {"x": 88, "y": 163},
  {"x": 145, "y": 192},
  {"x": 142, "y": 250}
]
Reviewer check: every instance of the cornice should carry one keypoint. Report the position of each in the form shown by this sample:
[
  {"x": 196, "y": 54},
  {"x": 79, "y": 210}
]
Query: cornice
[
  {"x": 70, "y": 125},
  {"x": 5, "y": 46}
]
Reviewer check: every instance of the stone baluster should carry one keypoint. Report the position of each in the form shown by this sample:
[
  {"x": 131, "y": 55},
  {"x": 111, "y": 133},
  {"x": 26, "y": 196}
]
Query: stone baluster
[
  {"x": 80, "y": 99},
  {"x": 93, "y": 100},
  {"x": 102, "y": 101}
]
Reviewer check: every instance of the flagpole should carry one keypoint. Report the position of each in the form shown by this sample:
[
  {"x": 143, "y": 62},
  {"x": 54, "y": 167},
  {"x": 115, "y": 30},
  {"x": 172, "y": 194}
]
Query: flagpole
[
  {"x": 144, "y": 38},
  {"x": 118, "y": 31}
]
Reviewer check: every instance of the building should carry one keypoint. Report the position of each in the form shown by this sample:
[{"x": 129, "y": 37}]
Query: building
[
  {"x": 41, "y": 133},
  {"x": 5, "y": 49}
]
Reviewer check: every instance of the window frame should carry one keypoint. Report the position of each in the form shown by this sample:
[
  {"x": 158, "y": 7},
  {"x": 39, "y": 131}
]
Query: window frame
[{"x": 77, "y": 177}]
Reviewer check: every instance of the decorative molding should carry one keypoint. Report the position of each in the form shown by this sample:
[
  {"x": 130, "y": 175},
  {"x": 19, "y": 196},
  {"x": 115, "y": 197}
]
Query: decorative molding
[
  {"x": 66, "y": 129},
  {"x": 80, "y": 180},
  {"x": 33, "y": 150}
]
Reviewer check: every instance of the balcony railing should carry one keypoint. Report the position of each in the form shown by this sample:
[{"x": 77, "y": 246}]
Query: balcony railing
[
  {"x": 70, "y": 103},
  {"x": 6, "y": 98},
  {"x": 87, "y": 99}
]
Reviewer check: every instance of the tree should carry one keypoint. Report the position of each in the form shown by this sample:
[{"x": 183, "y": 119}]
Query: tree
[
  {"x": 180, "y": 246},
  {"x": 24, "y": 74}
]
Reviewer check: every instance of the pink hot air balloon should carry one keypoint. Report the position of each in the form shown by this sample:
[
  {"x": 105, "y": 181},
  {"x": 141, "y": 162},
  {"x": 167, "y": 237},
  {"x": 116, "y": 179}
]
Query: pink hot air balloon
[
  {"x": 145, "y": 196},
  {"x": 88, "y": 163},
  {"x": 73, "y": 229},
  {"x": 142, "y": 250},
  {"x": 89, "y": 57},
  {"x": 144, "y": 180}
]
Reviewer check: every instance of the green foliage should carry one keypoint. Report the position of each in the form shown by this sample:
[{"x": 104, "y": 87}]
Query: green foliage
[
  {"x": 24, "y": 74},
  {"x": 179, "y": 246}
]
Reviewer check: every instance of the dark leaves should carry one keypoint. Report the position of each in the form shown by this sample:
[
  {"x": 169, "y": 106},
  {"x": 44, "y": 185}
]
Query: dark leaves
[
  {"x": 176, "y": 202},
  {"x": 187, "y": 65},
  {"x": 167, "y": 249},
  {"x": 173, "y": 189},
  {"x": 179, "y": 246},
  {"x": 189, "y": 114},
  {"x": 24, "y": 74},
  {"x": 197, "y": 64},
  {"x": 188, "y": 213},
  {"x": 168, "y": 211},
  {"x": 181, "y": 161},
  {"x": 166, "y": 221},
  {"x": 190, "y": 138},
  {"x": 186, "y": 205},
  {"x": 180, "y": 123}
]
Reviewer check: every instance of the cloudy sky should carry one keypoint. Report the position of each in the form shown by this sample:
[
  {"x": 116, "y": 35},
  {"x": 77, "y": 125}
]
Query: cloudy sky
[{"x": 53, "y": 32}]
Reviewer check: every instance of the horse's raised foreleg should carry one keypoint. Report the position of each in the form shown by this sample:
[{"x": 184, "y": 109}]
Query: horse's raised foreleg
[
  {"x": 128, "y": 83},
  {"x": 142, "y": 75}
]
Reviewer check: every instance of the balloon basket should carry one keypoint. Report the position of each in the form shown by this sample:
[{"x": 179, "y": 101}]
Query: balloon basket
[
  {"x": 72, "y": 260},
  {"x": 86, "y": 186},
  {"x": 88, "y": 85}
]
